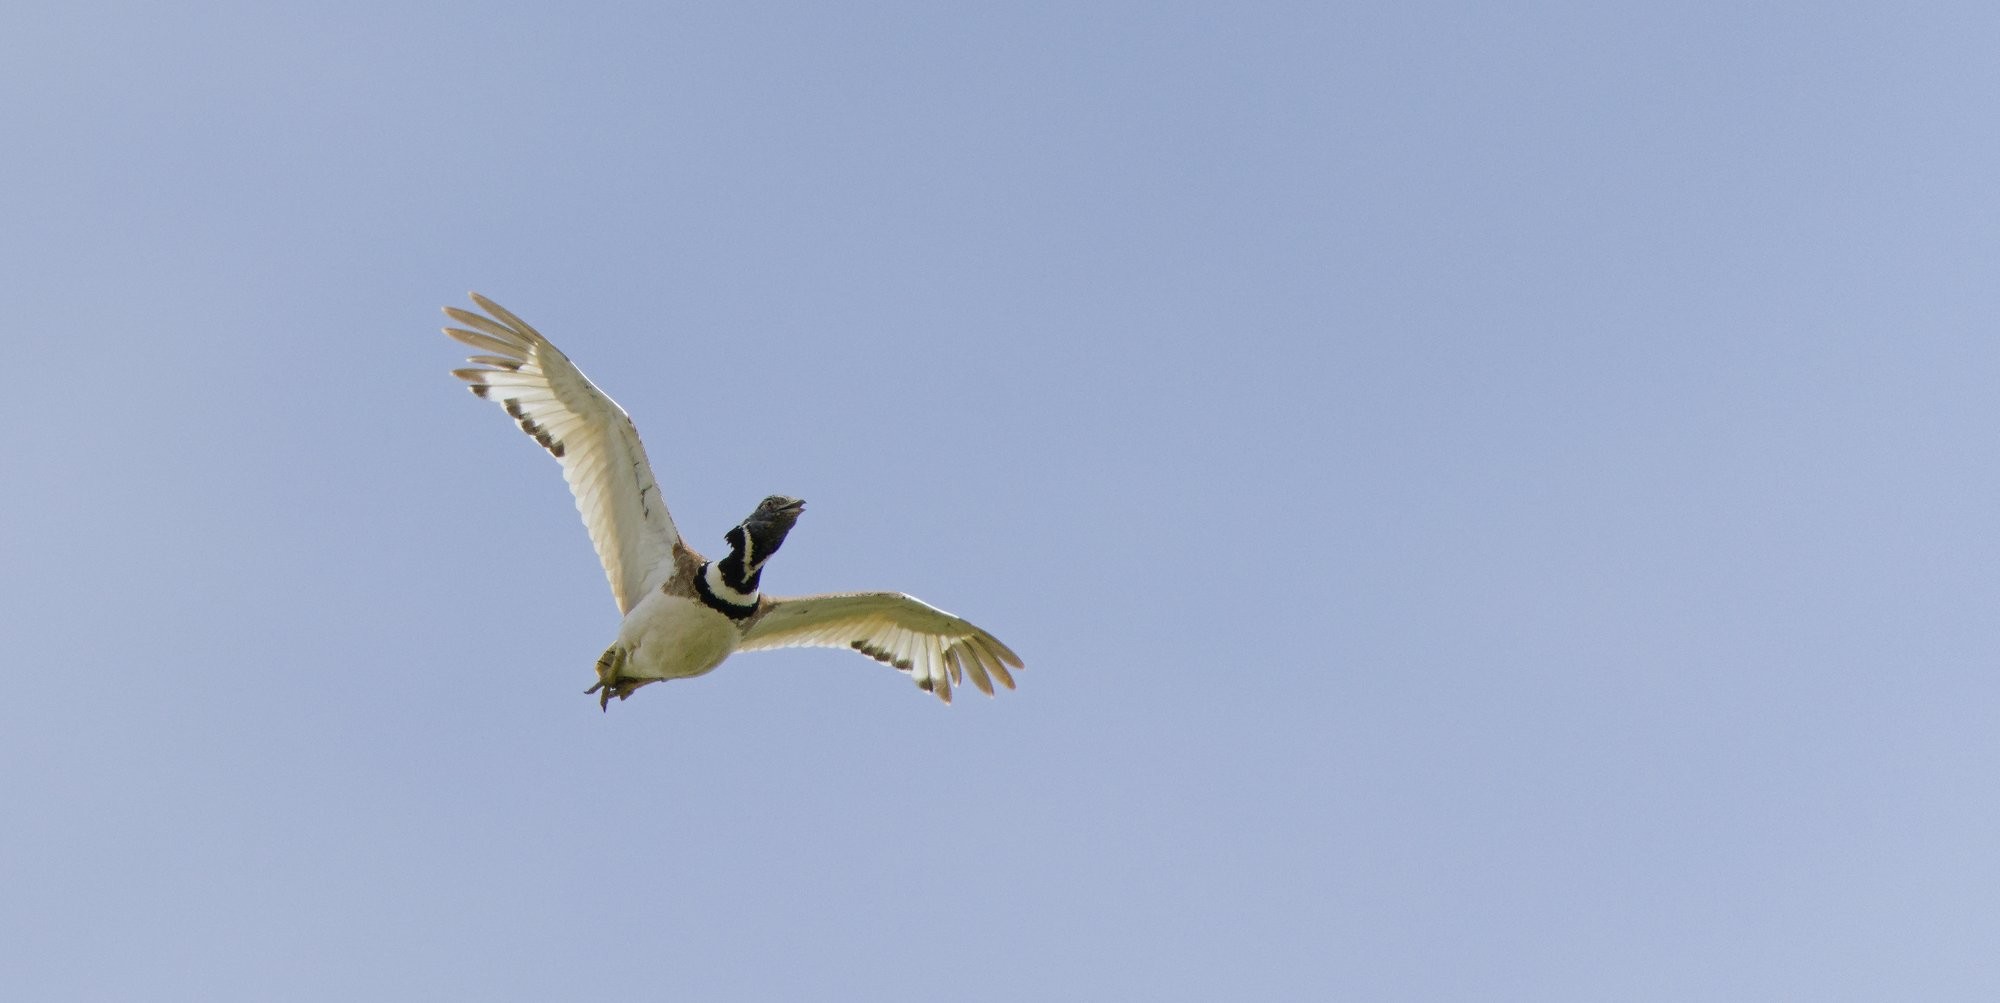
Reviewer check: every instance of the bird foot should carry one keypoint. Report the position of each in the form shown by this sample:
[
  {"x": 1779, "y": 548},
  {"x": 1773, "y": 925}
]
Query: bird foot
[{"x": 608, "y": 684}]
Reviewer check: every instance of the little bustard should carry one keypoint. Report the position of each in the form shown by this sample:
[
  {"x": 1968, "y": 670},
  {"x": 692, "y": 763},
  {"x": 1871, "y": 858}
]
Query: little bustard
[{"x": 684, "y": 614}]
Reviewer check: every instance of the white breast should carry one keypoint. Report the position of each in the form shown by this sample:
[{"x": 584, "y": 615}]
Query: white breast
[{"x": 672, "y": 637}]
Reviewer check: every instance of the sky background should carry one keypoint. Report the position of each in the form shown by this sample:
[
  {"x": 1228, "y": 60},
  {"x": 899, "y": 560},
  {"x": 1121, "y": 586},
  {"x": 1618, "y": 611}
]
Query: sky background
[{"x": 1497, "y": 501}]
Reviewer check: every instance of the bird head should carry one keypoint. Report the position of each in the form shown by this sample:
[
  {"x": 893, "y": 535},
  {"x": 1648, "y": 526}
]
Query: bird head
[{"x": 755, "y": 539}]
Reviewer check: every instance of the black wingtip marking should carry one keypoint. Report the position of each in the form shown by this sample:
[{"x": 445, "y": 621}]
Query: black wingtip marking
[
  {"x": 879, "y": 655},
  {"x": 479, "y": 390},
  {"x": 528, "y": 425}
]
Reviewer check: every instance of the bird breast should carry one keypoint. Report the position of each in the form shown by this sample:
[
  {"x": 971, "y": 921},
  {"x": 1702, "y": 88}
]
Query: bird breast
[{"x": 673, "y": 637}]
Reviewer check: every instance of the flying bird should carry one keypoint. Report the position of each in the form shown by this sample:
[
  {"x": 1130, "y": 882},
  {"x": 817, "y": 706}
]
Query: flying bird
[{"x": 685, "y": 614}]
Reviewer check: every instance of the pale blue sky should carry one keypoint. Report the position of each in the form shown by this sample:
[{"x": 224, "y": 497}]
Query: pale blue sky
[{"x": 1496, "y": 501}]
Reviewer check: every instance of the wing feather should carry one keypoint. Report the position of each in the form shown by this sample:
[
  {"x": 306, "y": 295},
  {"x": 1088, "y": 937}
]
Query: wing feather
[
  {"x": 489, "y": 327},
  {"x": 970, "y": 663},
  {"x": 587, "y": 432},
  {"x": 936, "y": 648},
  {"x": 993, "y": 662},
  {"x": 483, "y": 342}
]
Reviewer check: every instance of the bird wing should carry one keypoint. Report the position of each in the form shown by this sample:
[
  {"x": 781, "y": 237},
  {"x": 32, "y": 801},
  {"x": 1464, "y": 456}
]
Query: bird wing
[
  {"x": 588, "y": 433},
  {"x": 936, "y": 648}
]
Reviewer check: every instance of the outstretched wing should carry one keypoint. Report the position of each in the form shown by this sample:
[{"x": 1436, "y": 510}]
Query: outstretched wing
[
  {"x": 587, "y": 432},
  {"x": 936, "y": 648}
]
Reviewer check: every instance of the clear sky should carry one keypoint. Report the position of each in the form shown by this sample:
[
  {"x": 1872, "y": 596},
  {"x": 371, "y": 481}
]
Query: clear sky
[{"x": 1497, "y": 501}]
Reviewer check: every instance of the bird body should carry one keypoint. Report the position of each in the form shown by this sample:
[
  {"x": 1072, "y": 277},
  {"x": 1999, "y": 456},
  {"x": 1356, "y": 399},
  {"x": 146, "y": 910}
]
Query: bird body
[
  {"x": 684, "y": 614},
  {"x": 670, "y": 636}
]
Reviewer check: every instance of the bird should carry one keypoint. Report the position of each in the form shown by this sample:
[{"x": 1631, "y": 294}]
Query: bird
[{"x": 683, "y": 613}]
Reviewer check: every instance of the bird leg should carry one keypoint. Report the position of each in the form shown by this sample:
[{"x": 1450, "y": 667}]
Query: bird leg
[{"x": 608, "y": 684}]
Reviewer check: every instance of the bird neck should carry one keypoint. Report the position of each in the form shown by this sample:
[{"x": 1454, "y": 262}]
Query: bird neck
[
  {"x": 712, "y": 583},
  {"x": 730, "y": 584}
]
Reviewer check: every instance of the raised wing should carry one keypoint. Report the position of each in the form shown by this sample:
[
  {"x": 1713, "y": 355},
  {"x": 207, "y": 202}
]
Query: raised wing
[
  {"x": 587, "y": 432},
  {"x": 936, "y": 648}
]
